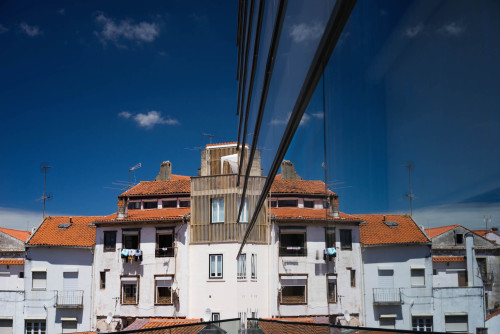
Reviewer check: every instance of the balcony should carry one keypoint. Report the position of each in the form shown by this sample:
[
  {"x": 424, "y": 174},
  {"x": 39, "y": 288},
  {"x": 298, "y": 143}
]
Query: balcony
[
  {"x": 386, "y": 296},
  {"x": 69, "y": 299}
]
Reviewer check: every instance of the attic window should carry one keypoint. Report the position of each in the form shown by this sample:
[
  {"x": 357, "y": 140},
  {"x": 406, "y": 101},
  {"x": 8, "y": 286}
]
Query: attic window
[
  {"x": 391, "y": 223},
  {"x": 64, "y": 225},
  {"x": 459, "y": 238}
]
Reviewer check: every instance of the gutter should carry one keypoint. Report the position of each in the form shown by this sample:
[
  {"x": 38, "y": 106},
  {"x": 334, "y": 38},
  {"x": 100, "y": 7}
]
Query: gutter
[
  {"x": 401, "y": 244},
  {"x": 60, "y": 246}
]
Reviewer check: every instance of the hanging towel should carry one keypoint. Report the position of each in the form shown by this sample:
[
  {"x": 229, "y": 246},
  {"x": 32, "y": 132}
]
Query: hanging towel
[
  {"x": 124, "y": 252},
  {"x": 331, "y": 251}
]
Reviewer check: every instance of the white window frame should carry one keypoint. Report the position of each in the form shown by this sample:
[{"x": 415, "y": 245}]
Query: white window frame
[
  {"x": 422, "y": 323},
  {"x": 387, "y": 317},
  {"x": 213, "y": 271},
  {"x": 73, "y": 321},
  {"x": 244, "y": 212},
  {"x": 32, "y": 331},
  {"x": 452, "y": 328},
  {"x": 254, "y": 266},
  {"x": 129, "y": 280},
  {"x": 217, "y": 210},
  {"x": 241, "y": 273},
  {"x": 332, "y": 278},
  {"x": 166, "y": 281},
  {"x": 39, "y": 286}
]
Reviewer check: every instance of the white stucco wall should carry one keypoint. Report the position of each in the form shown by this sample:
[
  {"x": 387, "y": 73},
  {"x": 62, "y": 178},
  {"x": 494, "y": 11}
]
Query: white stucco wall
[
  {"x": 40, "y": 304},
  {"x": 317, "y": 269},
  {"x": 12, "y": 304},
  {"x": 9, "y": 277},
  {"x": 493, "y": 324},
  {"x": 228, "y": 295},
  {"x": 447, "y": 273},
  {"x": 107, "y": 301}
]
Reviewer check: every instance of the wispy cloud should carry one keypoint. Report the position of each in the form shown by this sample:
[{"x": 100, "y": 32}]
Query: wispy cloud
[
  {"x": 21, "y": 219},
  {"x": 305, "y": 119},
  {"x": 319, "y": 115},
  {"x": 150, "y": 119},
  {"x": 114, "y": 31},
  {"x": 452, "y": 29},
  {"x": 31, "y": 31},
  {"x": 3, "y": 29},
  {"x": 413, "y": 31},
  {"x": 304, "y": 32},
  {"x": 62, "y": 11}
]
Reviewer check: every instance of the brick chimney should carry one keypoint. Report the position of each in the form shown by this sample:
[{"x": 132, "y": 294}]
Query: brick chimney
[
  {"x": 288, "y": 171},
  {"x": 165, "y": 173},
  {"x": 335, "y": 207},
  {"x": 122, "y": 211}
]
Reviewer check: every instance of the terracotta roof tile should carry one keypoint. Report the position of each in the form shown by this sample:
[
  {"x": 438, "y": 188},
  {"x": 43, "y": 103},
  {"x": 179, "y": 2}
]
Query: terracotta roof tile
[
  {"x": 146, "y": 215},
  {"x": 493, "y": 315},
  {"x": 434, "y": 232},
  {"x": 78, "y": 234},
  {"x": 158, "y": 323},
  {"x": 12, "y": 261},
  {"x": 448, "y": 258},
  {"x": 484, "y": 232},
  {"x": 20, "y": 235},
  {"x": 308, "y": 213},
  {"x": 178, "y": 185},
  {"x": 377, "y": 232},
  {"x": 287, "y": 326},
  {"x": 281, "y": 186}
]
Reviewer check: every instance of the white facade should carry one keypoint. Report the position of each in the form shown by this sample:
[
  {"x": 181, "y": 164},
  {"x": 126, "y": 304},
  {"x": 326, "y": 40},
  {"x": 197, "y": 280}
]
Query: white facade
[{"x": 58, "y": 288}]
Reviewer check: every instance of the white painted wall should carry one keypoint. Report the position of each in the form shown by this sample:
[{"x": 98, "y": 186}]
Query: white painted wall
[
  {"x": 9, "y": 277},
  {"x": 493, "y": 324},
  {"x": 447, "y": 273},
  {"x": 108, "y": 301},
  {"x": 57, "y": 260}
]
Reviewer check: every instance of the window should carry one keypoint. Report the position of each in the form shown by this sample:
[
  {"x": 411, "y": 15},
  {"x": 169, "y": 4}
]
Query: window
[
  {"x": 422, "y": 324},
  {"x": 109, "y": 240},
  {"x": 21, "y": 274},
  {"x": 329, "y": 237},
  {"x": 462, "y": 278},
  {"x": 134, "y": 205},
  {"x": 164, "y": 243},
  {"x": 387, "y": 321},
  {"x": 185, "y": 204},
  {"x": 215, "y": 266},
  {"x": 483, "y": 268},
  {"x": 288, "y": 203},
  {"x": 150, "y": 205},
  {"x": 242, "y": 267},
  {"x": 308, "y": 204},
  {"x": 293, "y": 242},
  {"x": 130, "y": 239},
  {"x": 163, "y": 290},
  {"x": 169, "y": 204},
  {"x": 39, "y": 279},
  {"x": 216, "y": 317},
  {"x": 244, "y": 212},
  {"x": 332, "y": 288},
  {"x": 217, "y": 210},
  {"x": 254, "y": 266},
  {"x": 353, "y": 277},
  {"x": 417, "y": 277},
  {"x": 456, "y": 323},
  {"x": 69, "y": 325},
  {"x": 293, "y": 289},
  {"x": 130, "y": 289},
  {"x": 273, "y": 203},
  {"x": 459, "y": 238},
  {"x": 103, "y": 280},
  {"x": 35, "y": 327},
  {"x": 345, "y": 239}
]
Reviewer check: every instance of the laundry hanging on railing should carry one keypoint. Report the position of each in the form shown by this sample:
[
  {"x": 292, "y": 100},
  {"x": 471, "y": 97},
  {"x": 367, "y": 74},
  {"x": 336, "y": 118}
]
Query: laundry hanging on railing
[
  {"x": 131, "y": 254},
  {"x": 331, "y": 252}
]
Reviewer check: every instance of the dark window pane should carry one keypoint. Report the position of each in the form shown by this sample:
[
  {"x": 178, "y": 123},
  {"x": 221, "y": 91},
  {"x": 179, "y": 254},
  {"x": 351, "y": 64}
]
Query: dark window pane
[
  {"x": 164, "y": 244},
  {"x": 131, "y": 241},
  {"x": 150, "y": 205},
  {"x": 184, "y": 204},
  {"x": 134, "y": 205},
  {"x": 308, "y": 204},
  {"x": 293, "y": 244},
  {"x": 273, "y": 204},
  {"x": 169, "y": 204},
  {"x": 345, "y": 239},
  {"x": 293, "y": 294},
  {"x": 288, "y": 203},
  {"x": 109, "y": 240}
]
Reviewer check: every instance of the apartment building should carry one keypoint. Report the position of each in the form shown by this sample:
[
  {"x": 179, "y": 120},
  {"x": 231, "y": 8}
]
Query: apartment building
[{"x": 58, "y": 276}]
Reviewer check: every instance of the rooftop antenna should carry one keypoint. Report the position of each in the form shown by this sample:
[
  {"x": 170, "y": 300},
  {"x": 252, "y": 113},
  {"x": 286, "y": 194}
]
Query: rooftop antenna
[
  {"x": 139, "y": 165},
  {"x": 45, "y": 196},
  {"x": 210, "y": 136},
  {"x": 486, "y": 220},
  {"x": 410, "y": 194}
]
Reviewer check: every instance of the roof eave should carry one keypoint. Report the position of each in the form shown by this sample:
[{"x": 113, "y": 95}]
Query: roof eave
[{"x": 398, "y": 244}]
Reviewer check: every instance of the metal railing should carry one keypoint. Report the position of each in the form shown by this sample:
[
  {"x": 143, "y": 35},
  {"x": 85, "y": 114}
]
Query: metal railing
[
  {"x": 386, "y": 296},
  {"x": 69, "y": 299}
]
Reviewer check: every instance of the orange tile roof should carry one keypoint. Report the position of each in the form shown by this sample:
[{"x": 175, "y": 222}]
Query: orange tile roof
[
  {"x": 484, "y": 232},
  {"x": 308, "y": 214},
  {"x": 434, "y": 232},
  {"x": 376, "y": 232},
  {"x": 79, "y": 234},
  {"x": 299, "y": 319},
  {"x": 448, "y": 258},
  {"x": 310, "y": 187},
  {"x": 228, "y": 143},
  {"x": 12, "y": 261},
  {"x": 181, "y": 185},
  {"x": 20, "y": 235},
  {"x": 145, "y": 323},
  {"x": 148, "y": 214},
  {"x": 288, "y": 326},
  {"x": 493, "y": 315}
]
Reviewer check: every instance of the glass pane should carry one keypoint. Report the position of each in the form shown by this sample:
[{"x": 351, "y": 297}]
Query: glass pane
[
  {"x": 212, "y": 265},
  {"x": 219, "y": 265}
]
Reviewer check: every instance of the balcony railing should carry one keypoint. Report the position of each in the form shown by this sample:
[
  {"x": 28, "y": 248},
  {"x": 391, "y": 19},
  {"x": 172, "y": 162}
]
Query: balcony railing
[
  {"x": 386, "y": 296},
  {"x": 69, "y": 299}
]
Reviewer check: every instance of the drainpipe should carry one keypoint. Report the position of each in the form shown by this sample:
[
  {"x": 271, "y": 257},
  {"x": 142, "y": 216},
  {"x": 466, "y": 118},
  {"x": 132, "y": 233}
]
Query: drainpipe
[{"x": 469, "y": 252}]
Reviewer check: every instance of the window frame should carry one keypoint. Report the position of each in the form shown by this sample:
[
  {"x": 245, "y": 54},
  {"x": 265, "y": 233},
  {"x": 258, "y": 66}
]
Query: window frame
[
  {"x": 39, "y": 322},
  {"x": 160, "y": 252},
  {"x": 334, "y": 278},
  {"x": 352, "y": 277},
  {"x": 216, "y": 265},
  {"x": 75, "y": 321},
  {"x": 292, "y": 230},
  {"x": 244, "y": 212},
  {"x": 416, "y": 326},
  {"x": 105, "y": 235},
  {"x": 253, "y": 266},
  {"x": 219, "y": 220},
  {"x": 133, "y": 205},
  {"x": 415, "y": 277},
  {"x": 283, "y": 200},
  {"x": 147, "y": 203},
  {"x": 343, "y": 244},
  {"x": 122, "y": 295},
  {"x": 187, "y": 200},
  {"x": 241, "y": 262},
  {"x": 282, "y": 279},
  {"x": 33, "y": 272},
  {"x": 163, "y": 201},
  {"x": 102, "y": 280},
  {"x": 128, "y": 232},
  {"x": 329, "y": 231},
  {"x": 309, "y": 201},
  {"x": 156, "y": 289}
]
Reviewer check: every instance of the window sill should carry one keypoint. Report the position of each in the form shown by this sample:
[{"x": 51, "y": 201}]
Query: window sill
[
  {"x": 45, "y": 289},
  {"x": 216, "y": 222},
  {"x": 253, "y": 280},
  {"x": 293, "y": 303},
  {"x": 241, "y": 279},
  {"x": 418, "y": 286},
  {"x": 216, "y": 280},
  {"x": 129, "y": 303},
  {"x": 109, "y": 250},
  {"x": 164, "y": 304}
]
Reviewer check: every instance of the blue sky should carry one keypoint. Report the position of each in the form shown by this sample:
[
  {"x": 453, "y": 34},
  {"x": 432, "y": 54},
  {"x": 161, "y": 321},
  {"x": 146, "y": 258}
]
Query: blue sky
[{"x": 94, "y": 88}]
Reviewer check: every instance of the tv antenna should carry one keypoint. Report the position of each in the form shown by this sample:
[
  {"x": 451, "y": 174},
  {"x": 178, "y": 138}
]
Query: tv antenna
[
  {"x": 45, "y": 196},
  {"x": 410, "y": 194},
  {"x": 487, "y": 219},
  {"x": 139, "y": 165},
  {"x": 210, "y": 136}
]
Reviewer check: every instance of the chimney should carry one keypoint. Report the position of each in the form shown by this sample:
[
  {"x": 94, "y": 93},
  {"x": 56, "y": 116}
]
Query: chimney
[
  {"x": 470, "y": 256},
  {"x": 288, "y": 171},
  {"x": 165, "y": 173},
  {"x": 122, "y": 211},
  {"x": 335, "y": 207}
]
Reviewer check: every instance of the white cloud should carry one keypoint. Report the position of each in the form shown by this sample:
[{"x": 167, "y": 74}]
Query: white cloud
[
  {"x": 153, "y": 118},
  {"x": 318, "y": 115},
  {"x": 125, "y": 114},
  {"x": 304, "y": 32},
  {"x": 281, "y": 121},
  {"x": 3, "y": 29},
  {"x": 31, "y": 31},
  {"x": 21, "y": 219},
  {"x": 412, "y": 32},
  {"x": 452, "y": 29},
  {"x": 114, "y": 31}
]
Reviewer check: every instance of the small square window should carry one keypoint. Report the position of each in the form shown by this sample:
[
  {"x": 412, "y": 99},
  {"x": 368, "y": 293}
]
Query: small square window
[
  {"x": 292, "y": 242},
  {"x": 130, "y": 239},
  {"x": 422, "y": 324},
  {"x": 39, "y": 280},
  {"x": 215, "y": 266},
  {"x": 293, "y": 290},
  {"x": 164, "y": 243},
  {"x": 35, "y": 327},
  {"x": 417, "y": 277},
  {"x": 69, "y": 326}
]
